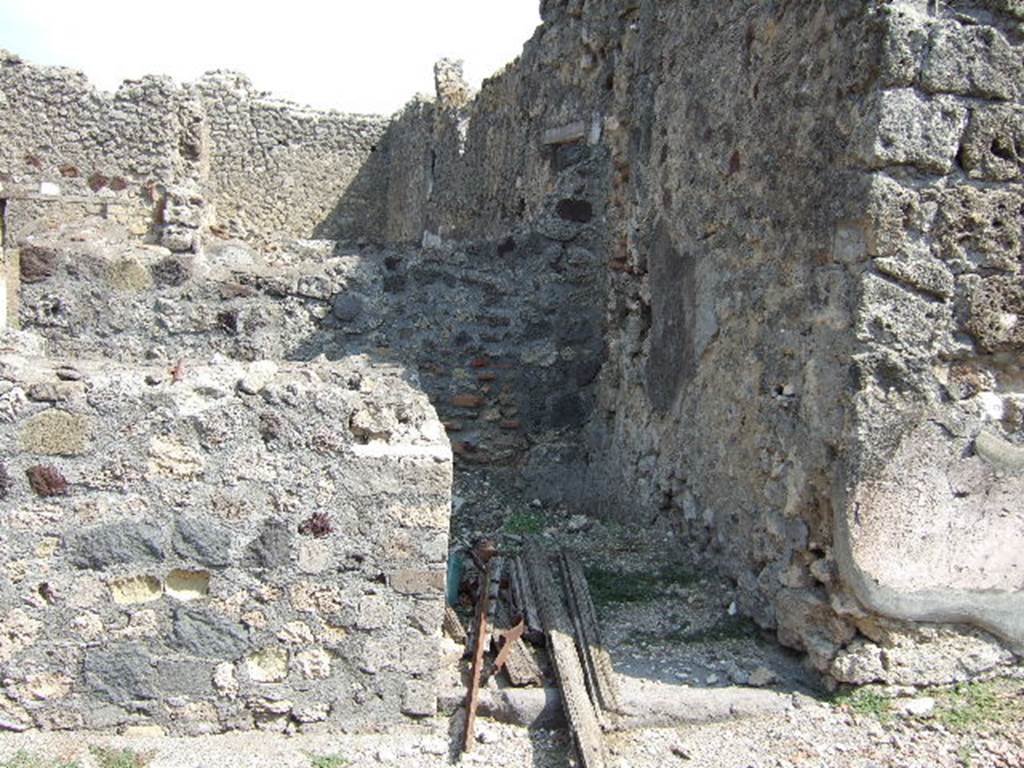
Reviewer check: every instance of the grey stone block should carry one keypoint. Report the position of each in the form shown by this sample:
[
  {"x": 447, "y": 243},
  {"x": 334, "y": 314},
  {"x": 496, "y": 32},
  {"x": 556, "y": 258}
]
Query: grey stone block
[
  {"x": 971, "y": 61},
  {"x": 202, "y": 542},
  {"x": 183, "y": 677},
  {"x": 347, "y": 307},
  {"x": 117, "y": 544},
  {"x": 203, "y": 633},
  {"x": 120, "y": 673},
  {"x": 419, "y": 699},
  {"x": 271, "y": 549}
]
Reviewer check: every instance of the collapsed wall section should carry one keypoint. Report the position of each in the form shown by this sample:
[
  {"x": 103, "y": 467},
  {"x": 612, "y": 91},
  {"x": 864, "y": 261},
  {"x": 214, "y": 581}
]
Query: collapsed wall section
[{"x": 220, "y": 546}]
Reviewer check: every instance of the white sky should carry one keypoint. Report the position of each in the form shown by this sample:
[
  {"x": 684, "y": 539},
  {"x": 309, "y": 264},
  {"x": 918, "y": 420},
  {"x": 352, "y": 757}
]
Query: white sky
[{"x": 352, "y": 55}]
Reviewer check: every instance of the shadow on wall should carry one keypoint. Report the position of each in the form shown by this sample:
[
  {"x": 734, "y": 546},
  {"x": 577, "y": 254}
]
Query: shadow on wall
[
  {"x": 502, "y": 342},
  {"x": 506, "y": 334},
  {"x": 393, "y": 186},
  {"x": 361, "y": 199}
]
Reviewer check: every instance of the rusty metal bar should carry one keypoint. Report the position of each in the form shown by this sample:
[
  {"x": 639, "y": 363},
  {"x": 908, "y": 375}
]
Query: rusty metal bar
[{"x": 481, "y": 640}]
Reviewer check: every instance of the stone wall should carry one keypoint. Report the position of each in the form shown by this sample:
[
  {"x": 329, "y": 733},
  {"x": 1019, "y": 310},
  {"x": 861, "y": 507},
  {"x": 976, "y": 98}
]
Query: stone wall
[
  {"x": 753, "y": 269},
  {"x": 810, "y": 222},
  {"x": 218, "y": 546},
  {"x": 505, "y": 341},
  {"x": 620, "y": 131},
  {"x": 175, "y": 161},
  {"x": 279, "y": 169},
  {"x": 70, "y": 152},
  {"x": 724, "y": 397},
  {"x": 929, "y": 520}
]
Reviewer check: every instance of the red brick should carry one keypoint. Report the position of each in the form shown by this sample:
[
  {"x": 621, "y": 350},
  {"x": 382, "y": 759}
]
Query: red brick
[
  {"x": 487, "y": 376},
  {"x": 510, "y": 424},
  {"x": 480, "y": 362},
  {"x": 467, "y": 401},
  {"x": 452, "y": 426}
]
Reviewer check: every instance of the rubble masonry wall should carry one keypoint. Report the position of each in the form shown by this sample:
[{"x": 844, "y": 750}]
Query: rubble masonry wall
[
  {"x": 810, "y": 221},
  {"x": 258, "y": 167},
  {"x": 222, "y": 547}
]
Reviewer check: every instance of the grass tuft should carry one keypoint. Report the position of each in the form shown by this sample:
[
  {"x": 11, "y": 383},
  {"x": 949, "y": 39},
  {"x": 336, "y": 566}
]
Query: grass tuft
[
  {"x": 608, "y": 587},
  {"x": 328, "y": 761},
  {"x": 867, "y": 702},
  {"x": 979, "y": 705},
  {"x": 525, "y": 523},
  {"x": 22, "y": 759},
  {"x": 107, "y": 757}
]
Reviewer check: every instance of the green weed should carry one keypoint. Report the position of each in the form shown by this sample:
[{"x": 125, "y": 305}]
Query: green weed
[
  {"x": 23, "y": 759},
  {"x": 608, "y": 587},
  {"x": 328, "y": 761},
  {"x": 525, "y": 523},
  {"x": 866, "y": 701},
  {"x": 107, "y": 757},
  {"x": 974, "y": 706}
]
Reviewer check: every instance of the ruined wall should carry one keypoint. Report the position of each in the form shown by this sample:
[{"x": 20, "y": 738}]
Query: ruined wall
[
  {"x": 172, "y": 161},
  {"x": 758, "y": 180},
  {"x": 707, "y": 178},
  {"x": 499, "y": 181},
  {"x": 723, "y": 399},
  {"x": 69, "y": 152},
  {"x": 220, "y": 546},
  {"x": 930, "y": 520},
  {"x": 737, "y": 395},
  {"x": 750, "y": 268},
  {"x": 280, "y": 169},
  {"x": 496, "y": 338}
]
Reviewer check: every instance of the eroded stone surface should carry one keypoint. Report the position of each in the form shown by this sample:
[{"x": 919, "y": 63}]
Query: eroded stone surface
[
  {"x": 759, "y": 281},
  {"x": 170, "y": 581}
]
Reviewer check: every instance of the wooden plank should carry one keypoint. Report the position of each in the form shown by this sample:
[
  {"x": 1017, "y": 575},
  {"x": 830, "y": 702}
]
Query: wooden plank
[
  {"x": 523, "y": 597},
  {"x": 520, "y": 665},
  {"x": 597, "y": 663},
  {"x": 497, "y": 571},
  {"x": 579, "y": 709},
  {"x": 452, "y": 626}
]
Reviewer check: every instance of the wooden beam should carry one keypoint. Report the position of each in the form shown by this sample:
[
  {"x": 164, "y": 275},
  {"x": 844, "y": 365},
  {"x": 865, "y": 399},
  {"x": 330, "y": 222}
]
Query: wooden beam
[
  {"x": 597, "y": 663},
  {"x": 558, "y": 627}
]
